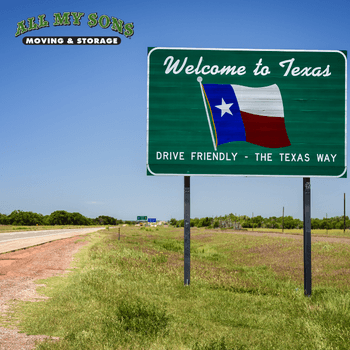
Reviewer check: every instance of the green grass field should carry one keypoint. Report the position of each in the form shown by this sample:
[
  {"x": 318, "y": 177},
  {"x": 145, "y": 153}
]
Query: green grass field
[{"x": 246, "y": 292}]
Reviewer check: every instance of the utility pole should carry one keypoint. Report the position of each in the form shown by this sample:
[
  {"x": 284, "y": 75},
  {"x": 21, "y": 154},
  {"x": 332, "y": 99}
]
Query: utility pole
[{"x": 283, "y": 220}]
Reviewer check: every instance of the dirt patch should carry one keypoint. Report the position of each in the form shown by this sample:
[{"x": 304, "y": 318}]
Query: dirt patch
[{"x": 19, "y": 270}]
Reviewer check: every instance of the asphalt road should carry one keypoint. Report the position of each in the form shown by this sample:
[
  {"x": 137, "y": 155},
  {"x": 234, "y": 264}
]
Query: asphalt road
[{"x": 10, "y": 241}]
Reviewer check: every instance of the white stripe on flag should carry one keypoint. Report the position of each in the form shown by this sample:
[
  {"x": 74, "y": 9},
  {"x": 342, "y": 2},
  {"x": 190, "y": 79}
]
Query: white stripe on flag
[{"x": 265, "y": 101}]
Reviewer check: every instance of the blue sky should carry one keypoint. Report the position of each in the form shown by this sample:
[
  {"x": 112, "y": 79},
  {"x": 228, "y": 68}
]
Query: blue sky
[{"x": 73, "y": 118}]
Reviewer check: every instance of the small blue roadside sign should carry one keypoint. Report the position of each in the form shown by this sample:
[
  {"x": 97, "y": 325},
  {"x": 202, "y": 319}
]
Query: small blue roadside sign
[{"x": 152, "y": 220}]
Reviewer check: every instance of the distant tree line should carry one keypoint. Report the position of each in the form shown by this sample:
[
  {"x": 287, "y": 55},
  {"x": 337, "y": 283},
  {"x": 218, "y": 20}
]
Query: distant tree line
[
  {"x": 244, "y": 221},
  {"x": 58, "y": 217}
]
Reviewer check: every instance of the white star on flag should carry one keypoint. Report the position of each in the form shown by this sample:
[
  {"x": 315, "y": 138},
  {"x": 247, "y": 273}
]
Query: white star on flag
[{"x": 225, "y": 107}]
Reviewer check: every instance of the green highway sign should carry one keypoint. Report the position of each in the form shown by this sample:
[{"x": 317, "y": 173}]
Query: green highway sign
[
  {"x": 233, "y": 112},
  {"x": 142, "y": 218}
]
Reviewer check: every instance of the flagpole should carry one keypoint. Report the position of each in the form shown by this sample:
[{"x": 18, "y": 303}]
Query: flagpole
[{"x": 199, "y": 79}]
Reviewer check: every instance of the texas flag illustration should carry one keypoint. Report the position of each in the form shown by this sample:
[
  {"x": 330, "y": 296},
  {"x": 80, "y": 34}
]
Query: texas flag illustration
[{"x": 241, "y": 113}]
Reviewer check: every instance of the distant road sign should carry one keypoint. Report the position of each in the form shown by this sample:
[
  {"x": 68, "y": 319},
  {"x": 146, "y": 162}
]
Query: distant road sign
[
  {"x": 152, "y": 220},
  {"x": 142, "y": 218},
  {"x": 246, "y": 112}
]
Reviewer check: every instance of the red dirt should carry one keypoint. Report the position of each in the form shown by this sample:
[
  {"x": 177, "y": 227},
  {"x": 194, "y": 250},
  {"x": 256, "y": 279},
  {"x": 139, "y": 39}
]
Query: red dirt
[{"x": 19, "y": 270}]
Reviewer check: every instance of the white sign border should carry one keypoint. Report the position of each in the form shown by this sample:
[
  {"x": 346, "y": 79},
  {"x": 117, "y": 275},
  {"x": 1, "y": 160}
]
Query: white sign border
[{"x": 246, "y": 175}]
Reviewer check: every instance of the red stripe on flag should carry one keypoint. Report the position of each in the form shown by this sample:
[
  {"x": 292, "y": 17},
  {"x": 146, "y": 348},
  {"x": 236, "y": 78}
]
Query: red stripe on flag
[{"x": 265, "y": 131}]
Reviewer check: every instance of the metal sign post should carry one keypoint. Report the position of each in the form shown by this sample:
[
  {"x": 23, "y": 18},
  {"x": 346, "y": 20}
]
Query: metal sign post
[
  {"x": 307, "y": 234},
  {"x": 344, "y": 214},
  {"x": 187, "y": 231}
]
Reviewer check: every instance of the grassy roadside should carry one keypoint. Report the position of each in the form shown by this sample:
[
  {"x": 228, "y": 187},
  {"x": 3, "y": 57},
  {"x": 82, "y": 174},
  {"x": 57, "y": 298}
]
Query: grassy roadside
[{"x": 245, "y": 293}]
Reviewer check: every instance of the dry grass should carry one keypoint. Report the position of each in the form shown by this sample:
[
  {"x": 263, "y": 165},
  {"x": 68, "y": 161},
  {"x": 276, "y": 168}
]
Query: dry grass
[{"x": 316, "y": 232}]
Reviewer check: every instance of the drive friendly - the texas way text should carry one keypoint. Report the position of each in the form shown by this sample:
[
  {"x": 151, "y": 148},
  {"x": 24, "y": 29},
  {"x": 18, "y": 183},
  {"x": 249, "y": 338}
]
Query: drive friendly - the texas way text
[{"x": 230, "y": 156}]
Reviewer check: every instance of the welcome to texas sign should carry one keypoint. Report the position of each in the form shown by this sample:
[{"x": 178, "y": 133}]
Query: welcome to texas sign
[{"x": 246, "y": 112}]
